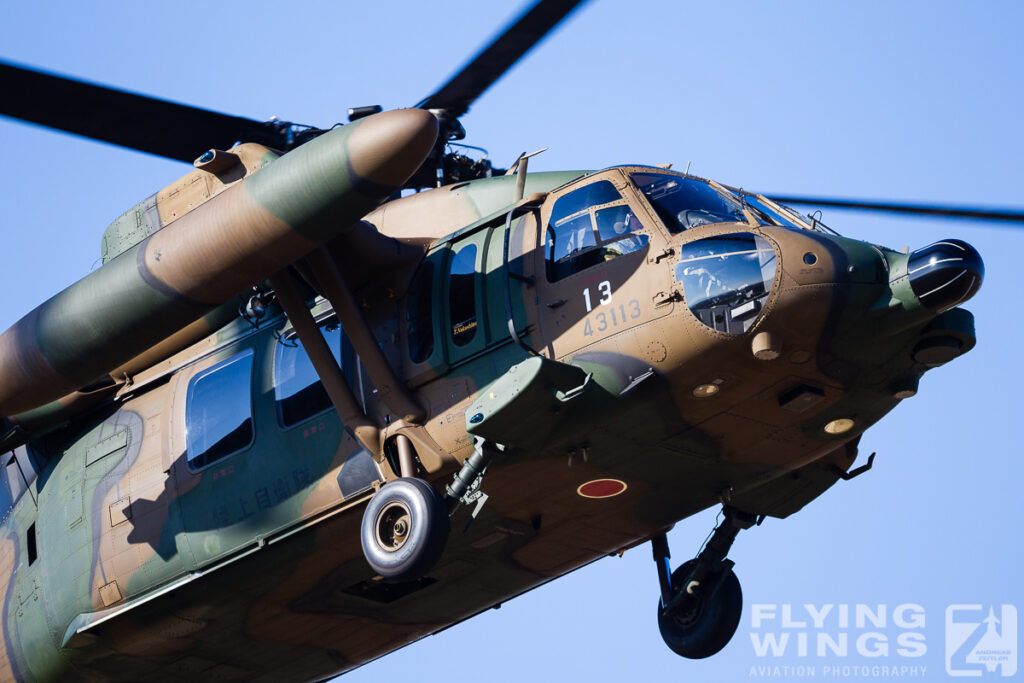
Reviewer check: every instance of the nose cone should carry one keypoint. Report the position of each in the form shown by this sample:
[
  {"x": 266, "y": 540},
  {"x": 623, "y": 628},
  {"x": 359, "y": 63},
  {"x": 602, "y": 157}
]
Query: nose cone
[{"x": 945, "y": 274}]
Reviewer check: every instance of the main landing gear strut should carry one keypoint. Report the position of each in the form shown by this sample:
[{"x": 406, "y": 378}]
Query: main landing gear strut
[{"x": 701, "y": 601}]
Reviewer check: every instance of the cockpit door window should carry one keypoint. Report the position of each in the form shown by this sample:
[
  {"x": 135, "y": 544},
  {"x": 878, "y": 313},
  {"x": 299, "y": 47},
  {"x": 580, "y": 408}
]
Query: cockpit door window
[
  {"x": 597, "y": 239},
  {"x": 587, "y": 227}
]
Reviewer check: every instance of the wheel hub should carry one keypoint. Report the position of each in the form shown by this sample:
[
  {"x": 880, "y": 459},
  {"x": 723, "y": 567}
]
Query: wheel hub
[
  {"x": 689, "y": 611},
  {"x": 392, "y": 526}
]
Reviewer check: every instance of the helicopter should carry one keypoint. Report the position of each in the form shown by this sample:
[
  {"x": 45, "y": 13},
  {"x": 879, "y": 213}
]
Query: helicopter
[{"x": 950, "y": 366}]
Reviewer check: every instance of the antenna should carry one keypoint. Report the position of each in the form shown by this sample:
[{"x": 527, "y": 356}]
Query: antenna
[{"x": 521, "y": 164}]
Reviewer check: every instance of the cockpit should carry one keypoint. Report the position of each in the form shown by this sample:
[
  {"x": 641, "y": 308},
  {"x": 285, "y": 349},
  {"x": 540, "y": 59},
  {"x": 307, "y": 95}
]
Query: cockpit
[{"x": 725, "y": 278}]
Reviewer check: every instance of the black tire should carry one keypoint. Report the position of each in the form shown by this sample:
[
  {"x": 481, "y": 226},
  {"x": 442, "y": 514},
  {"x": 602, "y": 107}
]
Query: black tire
[
  {"x": 708, "y": 625},
  {"x": 405, "y": 529}
]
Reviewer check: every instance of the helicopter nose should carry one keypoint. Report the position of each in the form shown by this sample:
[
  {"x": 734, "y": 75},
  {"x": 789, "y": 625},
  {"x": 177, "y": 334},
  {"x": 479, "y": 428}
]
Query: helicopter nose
[{"x": 945, "y": 274}]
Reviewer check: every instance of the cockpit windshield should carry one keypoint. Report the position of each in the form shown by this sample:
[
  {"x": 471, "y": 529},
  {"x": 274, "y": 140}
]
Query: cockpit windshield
[
  {"x": 683, "y": 203},
  {"x": 765, "y": 213}
]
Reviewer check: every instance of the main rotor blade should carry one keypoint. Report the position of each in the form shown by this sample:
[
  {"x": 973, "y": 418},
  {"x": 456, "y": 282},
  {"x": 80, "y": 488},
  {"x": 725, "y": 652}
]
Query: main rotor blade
[
  {"x": 139, "y": 122},
  {"x": 492, "y": 62},
  {"x": 938, "y": 210}
]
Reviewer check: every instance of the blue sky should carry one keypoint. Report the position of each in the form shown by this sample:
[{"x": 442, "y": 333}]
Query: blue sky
[{"x": 908, "y": 100}]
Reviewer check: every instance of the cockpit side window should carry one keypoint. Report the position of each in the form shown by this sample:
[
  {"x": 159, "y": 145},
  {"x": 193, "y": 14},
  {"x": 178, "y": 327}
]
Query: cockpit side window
[
  {"x": 218, "y": 411},
  {"x": 684, "y": 203},
  {"x": 594, "y": 194},
  {"x": 726, "y": 279},
  {"x": 590, "y": 226}
]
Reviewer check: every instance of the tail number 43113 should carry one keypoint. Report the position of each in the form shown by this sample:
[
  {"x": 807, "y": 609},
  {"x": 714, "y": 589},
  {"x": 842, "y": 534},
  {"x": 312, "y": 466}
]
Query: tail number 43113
[{"x": 609, "y": 316}]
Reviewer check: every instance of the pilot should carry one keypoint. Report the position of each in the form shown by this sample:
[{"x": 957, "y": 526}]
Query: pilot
[
  {"x": 703, "y": 280},
  {"x": 624, "y": 242},
  {"x": 578, "y": 240}
]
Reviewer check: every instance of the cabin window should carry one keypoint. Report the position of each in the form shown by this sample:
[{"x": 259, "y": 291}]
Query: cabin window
[
  {"x": 462, "y": 295},
  {"x": 218, "y": 411},
  {"x": 685, "y": 203},
  {"x": 419, "y": 314},
  {"x": 589, "y": 226},
  {"x": 298, "y": 392},
  {"x": 23, "y": 466},
  {"x": 6, "y": 493},
  {"x": 15, "y": 478}
]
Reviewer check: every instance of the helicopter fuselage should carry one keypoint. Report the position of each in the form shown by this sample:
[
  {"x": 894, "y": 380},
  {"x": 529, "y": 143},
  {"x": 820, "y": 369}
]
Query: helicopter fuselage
[{"x": 202, "y": 518}]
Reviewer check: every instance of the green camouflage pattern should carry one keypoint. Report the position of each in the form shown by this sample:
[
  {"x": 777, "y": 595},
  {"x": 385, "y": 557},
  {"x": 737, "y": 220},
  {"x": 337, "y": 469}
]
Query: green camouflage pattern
[{"x": 251, "y": 568}]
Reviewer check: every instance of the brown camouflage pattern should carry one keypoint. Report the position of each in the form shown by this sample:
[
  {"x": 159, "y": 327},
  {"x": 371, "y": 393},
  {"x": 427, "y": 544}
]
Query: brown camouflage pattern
[{"x": 251, "y": 568}]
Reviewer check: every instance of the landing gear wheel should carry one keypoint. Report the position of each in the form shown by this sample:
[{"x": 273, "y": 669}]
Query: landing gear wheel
[
  {"x": 405, "y": 529},
  {"x": 699, "y": 628}
]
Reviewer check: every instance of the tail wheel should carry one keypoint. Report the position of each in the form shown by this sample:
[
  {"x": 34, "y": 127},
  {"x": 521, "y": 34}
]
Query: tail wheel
[
  {"x": 699, "y": 628},
  {"x": 405, "y": 529}
]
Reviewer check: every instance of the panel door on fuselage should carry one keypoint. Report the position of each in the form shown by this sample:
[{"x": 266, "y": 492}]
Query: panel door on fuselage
[
  {"x": 598, "y": 269},
  {"x": 456, "y": 309}
]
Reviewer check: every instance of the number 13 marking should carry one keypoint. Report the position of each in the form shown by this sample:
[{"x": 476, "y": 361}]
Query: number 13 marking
[{"x": 604, "y": 289}]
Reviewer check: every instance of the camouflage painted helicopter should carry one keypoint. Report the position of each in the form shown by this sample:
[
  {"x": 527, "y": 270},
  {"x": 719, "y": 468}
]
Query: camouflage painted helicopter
[{"x": 668, "y": 336}]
